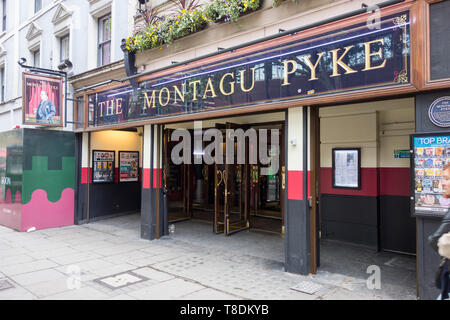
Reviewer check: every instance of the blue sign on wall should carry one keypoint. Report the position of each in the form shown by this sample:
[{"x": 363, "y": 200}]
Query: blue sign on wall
[{"x": 439, "y": 112}]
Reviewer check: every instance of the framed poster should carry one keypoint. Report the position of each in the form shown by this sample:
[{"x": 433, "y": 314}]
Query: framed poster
[
  {"x": 103, "y": 166},
  {"x": 430, "y": 153},
  {"x": 128, "y": 166},
  {"x": 346, "y": 168},
  {"x": 42, "y": 100}
]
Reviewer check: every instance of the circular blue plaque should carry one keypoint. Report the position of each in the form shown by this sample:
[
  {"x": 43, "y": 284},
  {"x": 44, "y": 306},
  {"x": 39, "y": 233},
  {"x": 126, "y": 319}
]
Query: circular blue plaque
[{"x": 439, "y": 112}]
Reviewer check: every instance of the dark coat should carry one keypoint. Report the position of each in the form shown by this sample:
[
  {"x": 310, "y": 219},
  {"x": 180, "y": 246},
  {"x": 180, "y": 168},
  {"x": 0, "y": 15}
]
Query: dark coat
[{"x": 443, "y": 229}]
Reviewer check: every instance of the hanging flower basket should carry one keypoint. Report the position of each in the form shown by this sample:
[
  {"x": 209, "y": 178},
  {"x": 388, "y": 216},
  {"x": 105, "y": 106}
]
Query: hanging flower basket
[{"x": 187, "y": 21}]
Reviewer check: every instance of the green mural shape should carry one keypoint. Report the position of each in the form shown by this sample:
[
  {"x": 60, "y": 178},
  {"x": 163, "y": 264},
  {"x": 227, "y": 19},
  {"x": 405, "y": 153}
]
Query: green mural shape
[{"x": 52, "y": 181}]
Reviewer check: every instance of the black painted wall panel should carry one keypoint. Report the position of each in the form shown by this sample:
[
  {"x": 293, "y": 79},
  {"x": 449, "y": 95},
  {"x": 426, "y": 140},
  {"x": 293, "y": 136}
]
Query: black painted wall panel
[
  {"x": 297, "y": 237},
  {"x": 353, "y": 233},
  {"x": 80, "y": 189},
  {"x": 440, "y": 40},
  {"x": 350, "y": 218},
  {"x": 114, "y": 198},
  {"x": 397, "y": 226},
  {"x": 147, "y": 215}
]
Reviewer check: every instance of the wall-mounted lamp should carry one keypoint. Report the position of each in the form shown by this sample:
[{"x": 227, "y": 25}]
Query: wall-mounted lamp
[{"x": 66, "y": 66}]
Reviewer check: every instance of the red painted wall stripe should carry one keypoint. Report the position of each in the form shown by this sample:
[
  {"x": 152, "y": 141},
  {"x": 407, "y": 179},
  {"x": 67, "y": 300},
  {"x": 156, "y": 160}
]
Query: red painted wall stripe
[
  {"x": 395, "y": 182},
  {"x": 146, "y": 178},
  {"x": 295, "y": 185},
  {"x": 84, "y": 175},
  {"x": 374, "y": 182},
  {"x": 369, "y": 183},
  {"x": 155, "y": 175},
  {"x": 309, "y": 184}
]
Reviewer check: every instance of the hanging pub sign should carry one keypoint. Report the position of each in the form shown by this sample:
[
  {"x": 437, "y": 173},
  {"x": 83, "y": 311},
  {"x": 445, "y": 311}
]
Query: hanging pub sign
[
  {"x": 354, "y": 58},
  {"x": 103, "y": 166},
  {"x": 128, "y": 166},
  {"x": 41, "y": 100},
  {"x": 430, "y": 154}
]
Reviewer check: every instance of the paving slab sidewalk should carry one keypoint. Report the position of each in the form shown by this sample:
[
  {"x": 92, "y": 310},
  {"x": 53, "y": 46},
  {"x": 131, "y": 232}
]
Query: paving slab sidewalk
[{"x": 55, "y": 267}]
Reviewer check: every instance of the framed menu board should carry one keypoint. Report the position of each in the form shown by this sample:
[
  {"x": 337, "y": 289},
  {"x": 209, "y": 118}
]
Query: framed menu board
[
  {"x": 430, "y": 153},
  {"x": 346, "y": 168},
  {"x": 128, "y": 166},
  {"x": 103, "y": 166}
]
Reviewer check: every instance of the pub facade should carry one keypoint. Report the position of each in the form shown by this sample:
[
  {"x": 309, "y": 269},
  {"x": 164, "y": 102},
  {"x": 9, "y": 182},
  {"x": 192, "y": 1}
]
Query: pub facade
[{"x": 341, "y": 104}]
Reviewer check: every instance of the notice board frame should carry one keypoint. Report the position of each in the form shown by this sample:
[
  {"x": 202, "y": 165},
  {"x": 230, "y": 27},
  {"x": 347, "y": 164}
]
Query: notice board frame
[
  {"x": 113, "y": 169},
  {"x": 138, "y": 159},
  {"x": 414, "y": 213},
  {"x": 333, "y": 157}
]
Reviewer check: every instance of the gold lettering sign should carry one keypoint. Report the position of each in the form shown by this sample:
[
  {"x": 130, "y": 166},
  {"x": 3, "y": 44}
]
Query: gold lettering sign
[
  {"x": 337, "y": 61},
  {"x": 369, "y": 55},
  {"x": 306, "y": 66}
]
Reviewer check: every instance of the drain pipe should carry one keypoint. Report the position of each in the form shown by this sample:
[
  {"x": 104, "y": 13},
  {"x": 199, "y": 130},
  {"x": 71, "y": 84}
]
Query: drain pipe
[{"x": 274, "y": 36}]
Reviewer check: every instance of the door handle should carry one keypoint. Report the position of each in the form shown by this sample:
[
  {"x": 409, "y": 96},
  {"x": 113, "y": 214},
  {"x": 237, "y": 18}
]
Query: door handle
[{"x": 220, "y": 177}]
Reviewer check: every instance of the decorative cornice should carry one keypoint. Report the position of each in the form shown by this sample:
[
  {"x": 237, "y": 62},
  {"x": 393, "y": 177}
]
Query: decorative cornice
[
  {"x": 33, "y": 31},
  {"x": 61, "y": 13}
]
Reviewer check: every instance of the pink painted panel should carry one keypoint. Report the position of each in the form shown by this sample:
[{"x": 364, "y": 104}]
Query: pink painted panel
[
  {"x": 42, "y": 214},
  {"x": 10, "y": 213}
]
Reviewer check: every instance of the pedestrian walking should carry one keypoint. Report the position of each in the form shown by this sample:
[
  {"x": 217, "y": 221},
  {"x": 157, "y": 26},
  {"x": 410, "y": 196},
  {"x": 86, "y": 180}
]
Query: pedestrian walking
[{"x": 439, "y": 241}]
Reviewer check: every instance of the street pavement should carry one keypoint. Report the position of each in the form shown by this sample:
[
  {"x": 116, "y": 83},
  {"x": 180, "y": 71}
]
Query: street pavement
[{"x": 108, "y": 260}]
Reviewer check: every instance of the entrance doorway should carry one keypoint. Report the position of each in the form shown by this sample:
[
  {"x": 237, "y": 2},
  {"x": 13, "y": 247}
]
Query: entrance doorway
[
  {"x": 369, "y": 224},
  {"x": 232, "y": 195}
]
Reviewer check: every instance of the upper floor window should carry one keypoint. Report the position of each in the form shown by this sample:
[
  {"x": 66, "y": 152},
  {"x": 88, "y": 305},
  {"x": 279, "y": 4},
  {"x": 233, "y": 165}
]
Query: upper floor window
[
  {"x": 2, "y": 83},
  {"x": 64, "y": 47},
  {"x": 37, "y": 5},
  {"x": 104, "y": 40},
  {"x": 37, "y": 58},
  {"x": 3, "y": 15}
]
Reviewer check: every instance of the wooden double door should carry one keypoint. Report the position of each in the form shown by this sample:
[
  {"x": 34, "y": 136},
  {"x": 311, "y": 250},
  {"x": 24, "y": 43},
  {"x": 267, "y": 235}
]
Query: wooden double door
[
  {"x": 231, "y": 189},
  {"x": 231, "y": 186}
]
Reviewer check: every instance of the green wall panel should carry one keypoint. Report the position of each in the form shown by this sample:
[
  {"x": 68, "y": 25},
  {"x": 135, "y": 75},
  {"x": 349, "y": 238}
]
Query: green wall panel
[{"x": 52, "y": 181}]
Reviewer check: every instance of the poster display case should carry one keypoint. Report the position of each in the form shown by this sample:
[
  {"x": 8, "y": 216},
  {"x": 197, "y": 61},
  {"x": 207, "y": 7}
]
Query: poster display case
[
  {"x": 103, "y": 164},
  {"x": 128, "y": 166},
  {"x": 430, "y": 153},
  {"x": 346, "y": 168}
]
